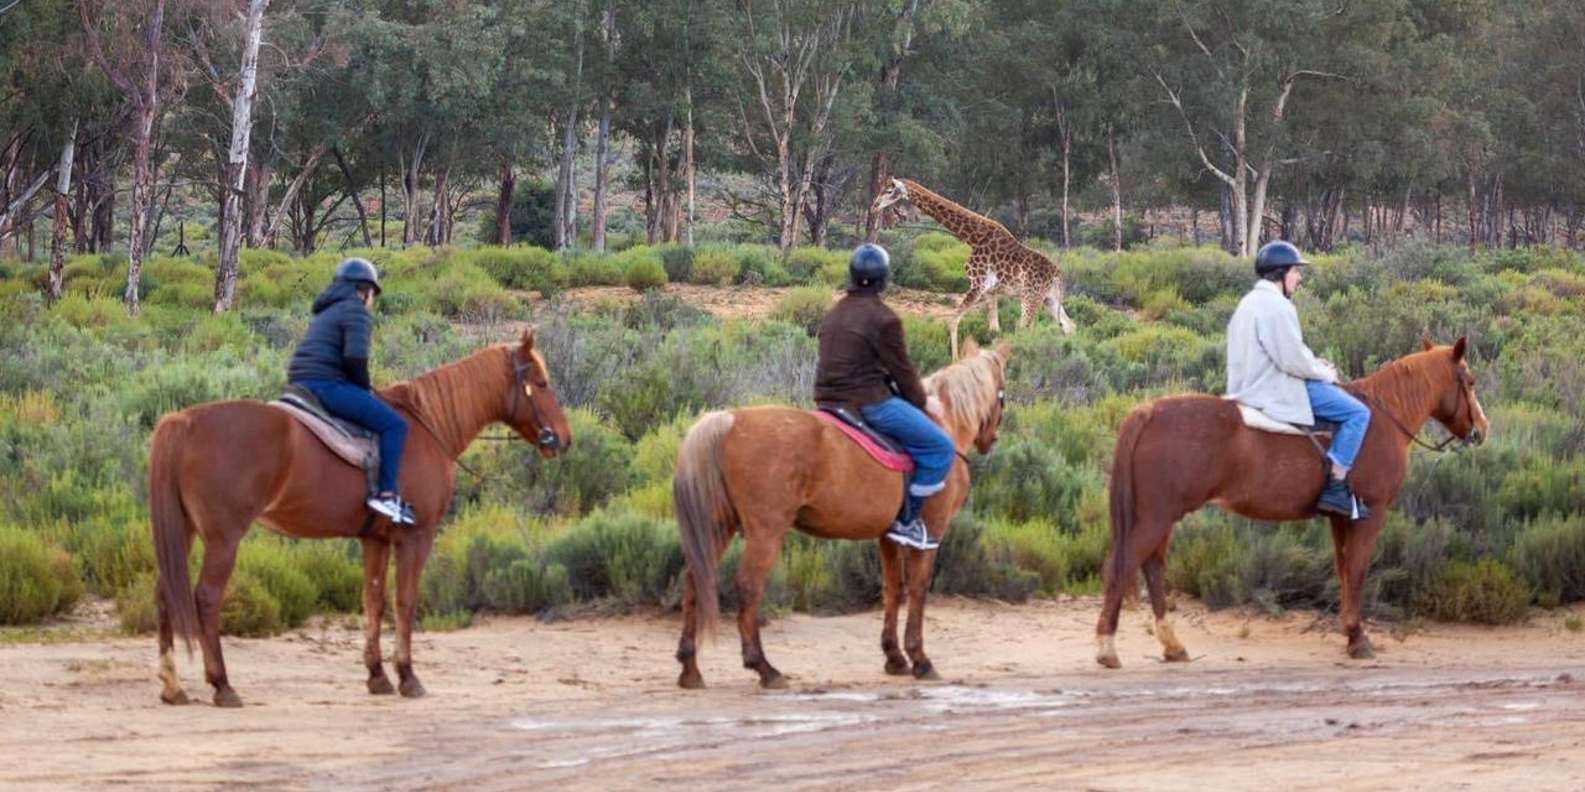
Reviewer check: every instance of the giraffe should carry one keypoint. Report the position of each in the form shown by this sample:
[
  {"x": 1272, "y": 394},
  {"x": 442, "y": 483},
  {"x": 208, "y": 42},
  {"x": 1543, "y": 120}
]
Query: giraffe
[{"x": 998, "y": 264}]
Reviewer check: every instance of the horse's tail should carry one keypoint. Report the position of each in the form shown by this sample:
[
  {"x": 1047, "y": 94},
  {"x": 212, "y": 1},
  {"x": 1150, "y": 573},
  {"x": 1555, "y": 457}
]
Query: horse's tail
[
  {"x": 1122, "y": 494},
  {"x": 174, "y": 590},
  {"x": 705, "y": 515}
]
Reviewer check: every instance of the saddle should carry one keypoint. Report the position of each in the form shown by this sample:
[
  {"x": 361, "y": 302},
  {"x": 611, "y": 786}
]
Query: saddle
[
  {"x": 352, "y": 443},
  {"x": 1255, "y": 419},
  {"x": 881, "y": 448}
]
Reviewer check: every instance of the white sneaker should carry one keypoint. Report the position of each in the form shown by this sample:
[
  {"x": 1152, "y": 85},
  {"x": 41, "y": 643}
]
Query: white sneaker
[
  {"x": 912, "y": 534},
  {"x": 392, "y": 508}
]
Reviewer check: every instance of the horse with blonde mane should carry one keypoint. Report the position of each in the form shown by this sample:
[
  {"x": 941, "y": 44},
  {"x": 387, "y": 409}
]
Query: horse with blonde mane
[
  {"x": 215, "y": 468},
  {"x": 764, "y": 471},
  {"x": 1179, "y": 453}
]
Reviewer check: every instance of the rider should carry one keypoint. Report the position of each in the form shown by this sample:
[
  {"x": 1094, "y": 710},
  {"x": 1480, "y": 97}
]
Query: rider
[
  {"x": 864, "y": 365},
  {"x": 332, "y": 362},
  {"x": 1270, "y": 368}
]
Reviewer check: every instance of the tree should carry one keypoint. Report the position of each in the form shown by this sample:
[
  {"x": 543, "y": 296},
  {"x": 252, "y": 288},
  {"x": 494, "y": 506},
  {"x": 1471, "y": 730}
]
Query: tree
[{"x": 237, "y": 157}]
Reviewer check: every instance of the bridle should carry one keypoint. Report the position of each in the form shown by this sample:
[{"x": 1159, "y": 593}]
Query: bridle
[
  {"x": 1463, "y": 385},
  {"x": 523, "y": 389}
]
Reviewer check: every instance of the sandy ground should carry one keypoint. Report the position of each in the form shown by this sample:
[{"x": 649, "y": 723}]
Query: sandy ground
[
  {"x": 757, "y": 302},
  {"x": 591, "y": 704}
]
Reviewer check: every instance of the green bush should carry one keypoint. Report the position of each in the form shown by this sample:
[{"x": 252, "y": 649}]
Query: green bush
[
  {"x": 1550, "y": 555},
  {"x": 714, "y": 266},
  {"x": 678, "y": 262},
  {"x": 646, "y": 276},
  {"x": 804, "y": 306},
  {"x": 36, "y": 580},
  {"x": 1485, "y": 592},
  {"x": 624, "y": 558}
]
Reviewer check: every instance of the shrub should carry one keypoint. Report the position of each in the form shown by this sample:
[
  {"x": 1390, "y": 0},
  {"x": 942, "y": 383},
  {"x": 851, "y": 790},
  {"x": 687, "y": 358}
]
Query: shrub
[
  {"x": 520, "y": 268},
  {"x": 714, "y": 266},
  {"x": 593, "y": 269},
  {"x": 678, "y": 262},
  {"x": 1550, "y": 555},
  {"x": 646, "y": 276},
  {"x": 1485, "y": 592},
  {"x": 625, "y": 558},
  {"x": 804, "y": 306},
  {"x": 36, "y": 580},
  {"x": 270, "y": 563}
]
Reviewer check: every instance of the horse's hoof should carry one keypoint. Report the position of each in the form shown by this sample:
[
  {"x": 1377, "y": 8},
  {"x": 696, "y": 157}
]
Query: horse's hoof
[
  {"x": 1178, "y": 655},
  {"x": 897, "y": 668},
  {"x": 1361, "y": 650},
  {"x": 774, "y": 682},
  {"x": 694, "y": 681},
  {"x": 177, "y": 699},
  {"x": 380, "y": 686},
  {"x": 926, "y": 673},
  {"x": 228, "y": 698},
  {"x": 412, "y": 688},
  {"x": 1108, "y": 661}
]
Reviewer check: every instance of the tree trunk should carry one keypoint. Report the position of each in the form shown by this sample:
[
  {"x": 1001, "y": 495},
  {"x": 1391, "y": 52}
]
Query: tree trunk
[
  {"x": 880, "y": 173},
  {"x": 410, "y": 170},
  {"x": 1117, "y": 189},
  {"x": 1067, "y": 188},
  {"x": 1474, "y": 225},
  {"x": 437, "y": 235},
  {"x": 296, "y": 186},
  {"x": 688, "y": 164},
  {"x": 63, "y": 186},
  {"x": 602, "y": 167},
  {"x": 503, "y": 204},
  {"x": 566, "y": 175},
  {"x": 382, "y": 203},
  {"x": 353, "y": 194},
  {"x": 237, "y": 161}
]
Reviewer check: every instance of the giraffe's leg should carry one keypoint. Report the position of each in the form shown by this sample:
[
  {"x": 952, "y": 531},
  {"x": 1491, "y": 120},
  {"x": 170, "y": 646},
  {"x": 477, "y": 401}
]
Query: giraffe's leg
[
  {"x": 991, "y": 306},
  {"x": 1028, "y": 304},
  {"x": 969, "y": 300},
  {"x": 1054, "y": 305}
]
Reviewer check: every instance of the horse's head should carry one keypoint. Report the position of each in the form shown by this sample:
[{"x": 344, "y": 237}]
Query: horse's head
[
  {"x": 532, "y": 410},
  {"x": 1458, "y": 409},
  {"x": 972, "y": 395}
]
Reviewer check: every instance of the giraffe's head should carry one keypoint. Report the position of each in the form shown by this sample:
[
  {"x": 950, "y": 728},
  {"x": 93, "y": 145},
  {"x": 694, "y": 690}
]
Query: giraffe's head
[{"x": 894, "y": 192}]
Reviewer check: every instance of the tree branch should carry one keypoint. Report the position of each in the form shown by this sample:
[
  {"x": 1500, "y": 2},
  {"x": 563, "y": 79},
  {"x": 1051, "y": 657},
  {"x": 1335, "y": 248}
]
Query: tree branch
[{"x": 1172, "y": 96}]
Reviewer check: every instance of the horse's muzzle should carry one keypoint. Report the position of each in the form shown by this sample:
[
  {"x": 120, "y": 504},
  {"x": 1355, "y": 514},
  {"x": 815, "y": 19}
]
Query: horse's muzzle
[{"x": 548, "y": 440}]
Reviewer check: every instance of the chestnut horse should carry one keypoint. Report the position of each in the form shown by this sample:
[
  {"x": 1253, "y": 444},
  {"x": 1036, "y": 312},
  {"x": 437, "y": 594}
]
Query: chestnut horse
[
  {"x": 1178, "y": 453},
  {"x": 764, "y": 471},
  {"x": 216, "y": 468}
]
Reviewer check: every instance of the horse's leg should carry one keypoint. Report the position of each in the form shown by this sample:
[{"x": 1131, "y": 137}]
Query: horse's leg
[
  {"x": 687, "y": 649},
  {"x": 1340, "y": 560},
  {"x": 410, "y": 556},
  {"x": 891, "y": 591},
  {"x": 376, "y": 558},
  {"x": 220, "y": 556},
  {"x": 171, "y": 682},
  {"x": 172, "y": 692},
  {"x": 1356, "y": 559},
  {"x": 1147, "y": 535},
  {"x": 1155, "y": 568},
  {"x": 760, "y": 549},
  {"x": 919, "y": 563}
]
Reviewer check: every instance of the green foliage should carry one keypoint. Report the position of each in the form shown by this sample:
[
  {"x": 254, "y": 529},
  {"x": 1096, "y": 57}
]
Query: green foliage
[
  {"x": 713, "y": 266},
  {"x": 520, "y": 267},
  {"x": 36, "y": 580},
  {"x": 1485, "y": 592},
  {"x": 804, "y": 306},
  {"x": 646, "y": 276}
]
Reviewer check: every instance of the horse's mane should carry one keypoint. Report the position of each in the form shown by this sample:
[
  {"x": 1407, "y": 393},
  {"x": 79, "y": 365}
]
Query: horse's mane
[
  {"x": 968, "y": 387},
  {"x": 457, "y": 398},
  {"x": 1403, "y": 382}
]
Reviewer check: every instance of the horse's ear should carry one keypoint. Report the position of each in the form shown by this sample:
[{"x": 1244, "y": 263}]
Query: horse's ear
[
  {"x": 527, "y": 342},
  {"x": 970, "y": 349},
  {"x": 1426, "y": 344},
  {"x": 1003, "y": 349},
  {"x": 1460, "y": 347}
]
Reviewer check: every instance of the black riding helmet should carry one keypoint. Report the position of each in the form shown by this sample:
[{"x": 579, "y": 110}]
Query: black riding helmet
[
  {"x": 1274, "y": 258},
  {"x": 868, "y": 269},
  {"x": 358, "y": 271}
]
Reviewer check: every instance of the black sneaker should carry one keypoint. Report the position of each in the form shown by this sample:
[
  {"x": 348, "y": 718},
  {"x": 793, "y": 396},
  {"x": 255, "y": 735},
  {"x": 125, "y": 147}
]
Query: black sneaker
[
  {"x": 392, "y": 508},
  {"x": 1338, "y": 499},
  {"x": 912, "y": 534}
]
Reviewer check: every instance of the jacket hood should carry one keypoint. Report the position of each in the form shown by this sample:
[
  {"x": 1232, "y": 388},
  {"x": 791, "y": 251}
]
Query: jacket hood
[{"x": 336, "y": 292}]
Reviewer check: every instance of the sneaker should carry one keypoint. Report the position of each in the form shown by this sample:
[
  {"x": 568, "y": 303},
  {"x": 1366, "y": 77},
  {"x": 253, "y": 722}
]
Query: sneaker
[
  {"x": 912, "y": 534},
  {"x": 392, "y": 508},
  {"x": 1338, "y": 499}
]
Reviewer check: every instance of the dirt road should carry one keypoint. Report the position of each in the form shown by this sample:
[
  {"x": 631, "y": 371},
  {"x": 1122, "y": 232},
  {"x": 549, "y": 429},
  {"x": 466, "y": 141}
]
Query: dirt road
[{"x": 591, "y": 703}]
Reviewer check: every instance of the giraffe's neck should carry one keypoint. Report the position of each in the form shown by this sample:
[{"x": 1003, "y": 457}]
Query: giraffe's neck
[{"x": 974, "y": 229}]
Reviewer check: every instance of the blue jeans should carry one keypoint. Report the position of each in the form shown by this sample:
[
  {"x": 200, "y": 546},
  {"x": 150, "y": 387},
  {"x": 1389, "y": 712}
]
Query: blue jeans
[
  {"x": 926, "y": 442},
  {"x": 1332, "y": 403},
  {"x": 348, "y": 401}
]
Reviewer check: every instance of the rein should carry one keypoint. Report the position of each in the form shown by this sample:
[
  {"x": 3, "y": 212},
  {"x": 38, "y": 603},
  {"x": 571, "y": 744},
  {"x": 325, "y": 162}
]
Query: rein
[
  {"x": 1414, "y": 437},
  {"x": 521, "y": 389}
]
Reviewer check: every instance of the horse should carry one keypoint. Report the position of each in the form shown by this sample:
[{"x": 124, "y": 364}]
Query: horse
[
  {"x": 1177, "y": 453},
  {"x": 215, "y": 468},
  {"x": 763, "y": 471}
]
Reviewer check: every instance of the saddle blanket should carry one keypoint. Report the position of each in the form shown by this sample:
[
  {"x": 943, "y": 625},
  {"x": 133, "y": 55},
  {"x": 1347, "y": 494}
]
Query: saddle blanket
[
  {"x": 888, "y": 459},
  {"x": 357, "y": 451},
  {"x": 1255, "y": 419}
]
